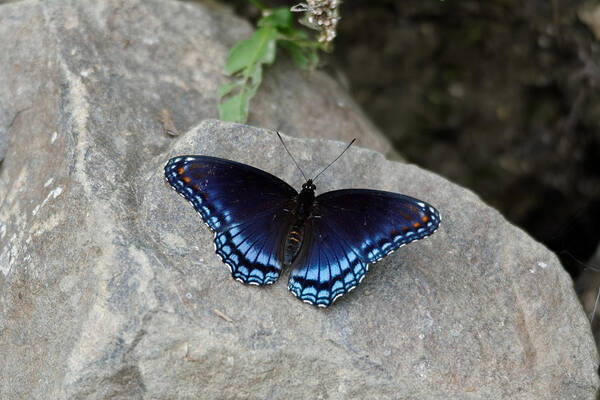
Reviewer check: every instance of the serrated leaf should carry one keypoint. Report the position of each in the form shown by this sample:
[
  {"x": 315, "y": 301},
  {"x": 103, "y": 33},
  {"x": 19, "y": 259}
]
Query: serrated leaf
[
  {"x": 259, "y": 48},
  {"x": 280, "y": 18}
]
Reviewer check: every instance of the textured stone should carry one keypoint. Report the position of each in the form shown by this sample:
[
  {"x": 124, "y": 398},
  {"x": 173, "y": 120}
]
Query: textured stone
[{"x": 109, "y": 286}]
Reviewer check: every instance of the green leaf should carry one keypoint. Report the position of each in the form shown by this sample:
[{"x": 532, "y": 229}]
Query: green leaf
[
  {"x": 280, "y": 18},
  {"x": 259, "y": 48},
  {"x": 226, "y": 88},
  {"x": 234, "y": 109},
  {"x": 296, "y": 53},
  {"x": 303, "y": 57},
  {"x": 294, "y": 34},
  {"x": 313, "y": 57},
  {"x": 255, "y": 76},
  {"x": 246, "y": 59}
]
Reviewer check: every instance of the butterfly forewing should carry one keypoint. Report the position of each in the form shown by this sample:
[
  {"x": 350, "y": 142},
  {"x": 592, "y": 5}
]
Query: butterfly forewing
[
  {"x": 249, "y": 211},
  {"x": 350, "y": 229}
]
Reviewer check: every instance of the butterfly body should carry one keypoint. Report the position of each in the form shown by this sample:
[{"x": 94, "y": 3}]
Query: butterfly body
[
  {"x": 261, "y": 224},
  {"x": 302, "y": 212}
]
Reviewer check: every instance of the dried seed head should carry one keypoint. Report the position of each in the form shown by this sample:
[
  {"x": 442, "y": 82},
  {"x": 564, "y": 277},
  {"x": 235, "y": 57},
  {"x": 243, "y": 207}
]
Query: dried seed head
[{"x": 322, "y": 15}]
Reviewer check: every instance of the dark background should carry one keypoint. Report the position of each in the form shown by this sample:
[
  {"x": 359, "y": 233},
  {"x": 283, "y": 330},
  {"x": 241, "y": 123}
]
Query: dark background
[{"x": 499, "y": 96}]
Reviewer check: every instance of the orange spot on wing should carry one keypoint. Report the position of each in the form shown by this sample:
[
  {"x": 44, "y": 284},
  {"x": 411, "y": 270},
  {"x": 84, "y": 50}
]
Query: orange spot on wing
[
  {"x": 405, "y": 228},
  {"x": 416, "y": 225},
  {"x": 425, "y": 218},
  {"x": 180, "y": 170},
  {"x": 186, "y": 179},
  {"x": 195, "y": 187}
]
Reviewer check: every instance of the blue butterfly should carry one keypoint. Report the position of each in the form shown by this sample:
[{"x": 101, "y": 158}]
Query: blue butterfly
[{"x": 261, "y": 224}]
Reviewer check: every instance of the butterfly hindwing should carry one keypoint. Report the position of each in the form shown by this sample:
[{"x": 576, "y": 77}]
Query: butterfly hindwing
[
  {"x": 326, "y": 267},
  {"x": 347, "y": 231},
  {"x": 248, "y": 210}
]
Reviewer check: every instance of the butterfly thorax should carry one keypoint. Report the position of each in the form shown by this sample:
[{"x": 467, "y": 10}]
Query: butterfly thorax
[
  {"x": 295, "y": 235},
  {"x": 306, "y": 198}
]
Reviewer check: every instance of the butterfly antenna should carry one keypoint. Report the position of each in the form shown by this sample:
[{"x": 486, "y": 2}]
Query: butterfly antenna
[
  {"x": 347, "y": 147},
  {"x": 293, "y": 159}
]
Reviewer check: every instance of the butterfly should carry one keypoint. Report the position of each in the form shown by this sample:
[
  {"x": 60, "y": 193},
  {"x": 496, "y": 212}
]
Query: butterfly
[{"x": 261, "y": 224}]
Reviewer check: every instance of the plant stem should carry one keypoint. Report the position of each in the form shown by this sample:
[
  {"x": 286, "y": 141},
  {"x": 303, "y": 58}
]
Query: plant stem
[{"x": 257, "y": 4}]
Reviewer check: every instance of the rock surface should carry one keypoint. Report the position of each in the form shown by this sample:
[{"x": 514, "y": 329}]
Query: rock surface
[{"x": 109, "y": 286}]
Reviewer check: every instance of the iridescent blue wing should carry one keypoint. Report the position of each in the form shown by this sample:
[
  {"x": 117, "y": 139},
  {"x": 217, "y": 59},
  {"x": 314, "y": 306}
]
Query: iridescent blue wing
[
  {"x": 248, "y": 210},
  {"x": 347, "y": 231}
]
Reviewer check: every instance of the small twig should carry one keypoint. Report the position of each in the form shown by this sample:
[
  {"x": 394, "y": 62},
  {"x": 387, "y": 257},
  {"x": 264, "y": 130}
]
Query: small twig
[
  {"x": 220, "y": 314},
  {"x": 168, "y": 124}
]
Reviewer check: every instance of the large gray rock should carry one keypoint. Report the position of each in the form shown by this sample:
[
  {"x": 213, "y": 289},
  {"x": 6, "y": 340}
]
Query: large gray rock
[{"x": 109, "y": 287}]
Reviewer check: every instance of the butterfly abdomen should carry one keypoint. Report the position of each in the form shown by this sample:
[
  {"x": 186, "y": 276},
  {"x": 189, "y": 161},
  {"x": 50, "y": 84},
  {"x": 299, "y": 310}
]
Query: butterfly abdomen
[
  {"x": 304, "y": 205},
  {"x": 293, "y": 243}
]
